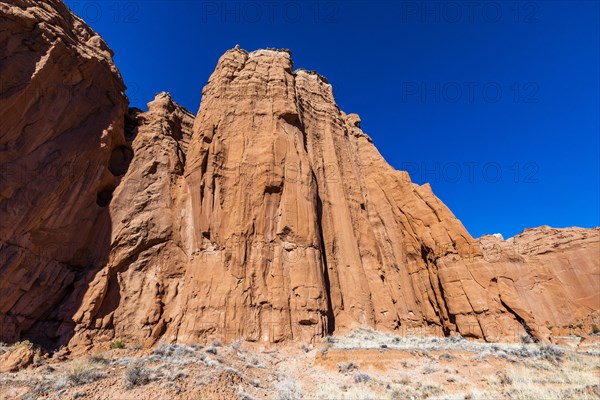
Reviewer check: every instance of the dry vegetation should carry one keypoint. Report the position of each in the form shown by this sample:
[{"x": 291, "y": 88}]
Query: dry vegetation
[{"x": 364, "y": 364}]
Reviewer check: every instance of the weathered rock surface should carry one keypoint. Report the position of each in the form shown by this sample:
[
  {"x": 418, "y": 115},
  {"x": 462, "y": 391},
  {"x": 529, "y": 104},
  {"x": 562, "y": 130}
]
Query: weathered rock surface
[
  {"x": 269, "y": 216},
  {"x": 62, "y": 107},
  {"x": 139, "y": 289},
  {"x": 283, "y": 222},
  {"x": 16, "y": 359},
  {"x": 554, "y": 273}
]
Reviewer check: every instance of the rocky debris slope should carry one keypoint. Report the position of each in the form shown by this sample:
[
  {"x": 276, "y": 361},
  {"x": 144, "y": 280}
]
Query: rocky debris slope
[
  {"x": 269, "y": 216},
  {"x": 62, "y": 151}
]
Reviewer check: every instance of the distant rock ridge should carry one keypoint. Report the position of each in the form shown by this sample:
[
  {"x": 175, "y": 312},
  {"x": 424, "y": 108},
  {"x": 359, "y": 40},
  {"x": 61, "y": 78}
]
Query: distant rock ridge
[{"x": 268, "y": 216}]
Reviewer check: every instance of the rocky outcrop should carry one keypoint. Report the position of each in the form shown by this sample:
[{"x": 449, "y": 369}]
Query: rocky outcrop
[
  {"x": 554, "y": 274},
  {"x": 269, "y": 216},
  {"x": 136, "y": 294},
  {"x": 62, "y": 149},
  {"x": 16, "y": 359},
  {"x": 275, "y": 218}
]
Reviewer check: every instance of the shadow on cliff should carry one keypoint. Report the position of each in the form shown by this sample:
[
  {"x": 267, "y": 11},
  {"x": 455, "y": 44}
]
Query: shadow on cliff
[{"x": 55, "y": 324}]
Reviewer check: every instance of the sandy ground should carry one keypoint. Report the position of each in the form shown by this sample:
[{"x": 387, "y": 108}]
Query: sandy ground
[{"x": 364, "y": 364}]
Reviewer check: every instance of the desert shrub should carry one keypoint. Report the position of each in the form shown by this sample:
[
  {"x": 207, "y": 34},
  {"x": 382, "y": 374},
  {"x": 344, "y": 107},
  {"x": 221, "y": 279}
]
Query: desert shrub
[
  {"x": 331, "y": 391},
  {"x": 176, "y": 351},
  {"x": 289, "y": 389},
  {"x": 243, "y": 395},
  {"x": 98, "y": 359},
  {"x": 429, "y": 370},
  {"x": 401, "y": 394},
  {"x": 551, "y": 353},
  {"x": 117, "y": 344},
  {"x": 25, "y": 343},
  {"x": 361, "y": 377},
  {"x": 236, "y": 345},
  {"x": 136, "y": 375},
  {"x": 504, "y": 378},
  {"x": 174, "y": 375},
  {"x": 430, "y": 390},
  {"x": 163, "y": 350},
  {"x": 405, "y": 380},
  {"x": 346, "y": 367},
  {"x": 525, "y": 352},
  {"x": 39, "y": 390},
  {"x": 210, "y": 362},
  {"x": 211, "y": 350},
  {"x": 527, "y": 338},
  {"x": 83, "y": 373}
]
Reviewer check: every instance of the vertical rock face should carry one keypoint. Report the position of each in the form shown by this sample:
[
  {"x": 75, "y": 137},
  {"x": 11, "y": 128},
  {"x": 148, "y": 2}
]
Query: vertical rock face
[
  {"x": 137, "y": 291},
  {"x": 269, "y": 216},
  {"x": 62, "y": 149},
  {"x": 310, "y": 230},
  {"x": 274, "y": 218}
]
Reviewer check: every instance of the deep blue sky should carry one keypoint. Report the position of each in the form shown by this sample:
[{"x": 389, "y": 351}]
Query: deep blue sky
[{"x": 385, "y": 60}]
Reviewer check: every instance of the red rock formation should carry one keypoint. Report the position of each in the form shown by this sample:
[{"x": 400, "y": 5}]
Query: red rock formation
[
  {"x": 270, "y": 216},
  {"x": 287, "y": 224},
  {"x": 62, "y": 107},
  {"x": 554, "y": 273},
  {"x": 138, "y": 291},
  {"x": 17, "y": 359}
]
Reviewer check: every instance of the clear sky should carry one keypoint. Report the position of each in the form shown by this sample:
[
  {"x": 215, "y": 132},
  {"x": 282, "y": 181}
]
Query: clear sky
[{"x": 495, "y": 103}]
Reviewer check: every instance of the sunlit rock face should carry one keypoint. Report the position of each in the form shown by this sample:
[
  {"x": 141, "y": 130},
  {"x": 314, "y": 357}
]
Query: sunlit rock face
[{"x": 268, "y": 216}]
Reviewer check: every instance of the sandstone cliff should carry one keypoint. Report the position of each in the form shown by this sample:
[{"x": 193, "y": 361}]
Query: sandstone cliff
[
  {"x": 554, "y": 273},
  {"x": 62, "y": 151},
  {"x": 269, "y": 216},
  {"x": 280, "y": 221}
]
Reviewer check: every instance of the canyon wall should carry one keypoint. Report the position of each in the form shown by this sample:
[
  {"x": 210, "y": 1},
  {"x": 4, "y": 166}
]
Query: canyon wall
[
  {"x": 268, "y": 216},
  {"x": 62, "y": 152}
]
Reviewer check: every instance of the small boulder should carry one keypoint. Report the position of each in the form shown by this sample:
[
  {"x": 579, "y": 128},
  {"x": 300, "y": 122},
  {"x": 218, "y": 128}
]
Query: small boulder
[{"x": 19, "y": 358}]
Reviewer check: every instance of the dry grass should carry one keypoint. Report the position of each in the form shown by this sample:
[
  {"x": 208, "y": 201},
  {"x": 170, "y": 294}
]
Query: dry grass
[
  {"x": 84, "y": 372},
  {"x": 426, "y": 368}
]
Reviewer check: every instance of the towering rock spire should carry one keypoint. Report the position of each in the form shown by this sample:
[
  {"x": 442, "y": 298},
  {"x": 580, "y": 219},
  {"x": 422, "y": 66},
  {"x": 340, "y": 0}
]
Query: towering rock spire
[{"x": 283, "y": 222}]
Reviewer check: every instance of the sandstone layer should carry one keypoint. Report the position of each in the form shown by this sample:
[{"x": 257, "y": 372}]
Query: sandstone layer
[
  {"x": 270, "y": 216},
  {"x": 274, "y": 218},
  {"x": 62, "y": 150},
  {"x": 555, "y": 275}
]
